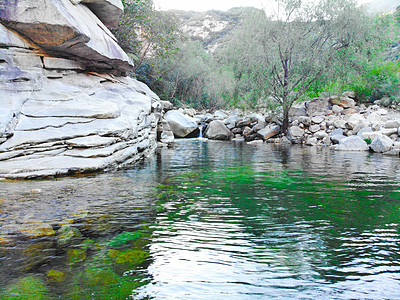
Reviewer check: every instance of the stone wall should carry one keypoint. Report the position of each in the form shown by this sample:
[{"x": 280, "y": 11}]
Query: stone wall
[{"x": 63, "y": 107}]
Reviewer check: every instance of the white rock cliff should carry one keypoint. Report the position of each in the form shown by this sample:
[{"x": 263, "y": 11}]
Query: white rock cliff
[{"x": 63, "y": 107}]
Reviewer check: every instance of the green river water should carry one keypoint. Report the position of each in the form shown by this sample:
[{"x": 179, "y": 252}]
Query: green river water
[{"x": 208, "y": 220}]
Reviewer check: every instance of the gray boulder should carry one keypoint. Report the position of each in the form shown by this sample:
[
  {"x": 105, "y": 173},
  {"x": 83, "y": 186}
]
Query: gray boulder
[
  {"x": 297, "y": 110},
  {"x": 382, "y": 144},
  {"x": 317, "y": 106},
  {"x": 180, "y": 124},
  {"x": 268, "y": 132},
  {"x": 296, "y": 132},
  {"x": 352, "y": 143},
  {"x": 218, "y": 131},
  {"x": 231, "y": 121},
  {"x": 354, "y": 120}
]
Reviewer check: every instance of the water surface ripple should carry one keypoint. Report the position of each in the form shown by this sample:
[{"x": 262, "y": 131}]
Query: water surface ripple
[{"x": 219, "y": 220}]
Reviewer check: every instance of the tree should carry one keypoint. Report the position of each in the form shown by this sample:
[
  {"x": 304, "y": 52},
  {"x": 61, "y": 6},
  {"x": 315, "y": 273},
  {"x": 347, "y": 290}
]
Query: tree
[
  {"x": 144, "y": 32},
  {"x": 296, "y": 44}
]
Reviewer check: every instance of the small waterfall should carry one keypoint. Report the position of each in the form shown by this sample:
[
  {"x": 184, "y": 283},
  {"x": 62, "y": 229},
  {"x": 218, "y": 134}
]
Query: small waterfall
[{"x": 201, "y": 127}]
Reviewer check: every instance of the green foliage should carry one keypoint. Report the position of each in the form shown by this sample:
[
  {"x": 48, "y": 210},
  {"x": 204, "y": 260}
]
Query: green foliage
[
  {"x": 262, "y": 61},
  {"x": 368, "y": 141},
  {"x": 144, "y": 32}
]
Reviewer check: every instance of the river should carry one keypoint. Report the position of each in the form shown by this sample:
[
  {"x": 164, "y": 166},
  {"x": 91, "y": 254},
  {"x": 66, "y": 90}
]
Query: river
[{"x": 208, "y": 220}]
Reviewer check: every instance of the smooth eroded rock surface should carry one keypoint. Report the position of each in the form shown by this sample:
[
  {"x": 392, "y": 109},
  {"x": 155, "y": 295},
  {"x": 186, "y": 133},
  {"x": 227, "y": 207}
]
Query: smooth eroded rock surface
[{"x": 64, "y": 29}]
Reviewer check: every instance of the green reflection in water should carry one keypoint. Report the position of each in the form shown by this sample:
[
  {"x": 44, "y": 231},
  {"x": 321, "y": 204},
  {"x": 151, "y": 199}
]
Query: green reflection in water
[{"x": 303, "y": 220}]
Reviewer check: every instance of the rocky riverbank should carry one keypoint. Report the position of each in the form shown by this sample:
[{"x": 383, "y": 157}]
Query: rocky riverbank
[{"x": 335, "y": 122}]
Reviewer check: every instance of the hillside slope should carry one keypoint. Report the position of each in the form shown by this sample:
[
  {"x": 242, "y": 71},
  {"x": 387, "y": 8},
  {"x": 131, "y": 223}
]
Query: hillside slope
[{"x": 209, "y": 27}]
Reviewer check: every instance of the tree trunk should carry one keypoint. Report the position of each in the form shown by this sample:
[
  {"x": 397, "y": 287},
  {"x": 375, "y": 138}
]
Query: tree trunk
[{"x": 285, "y": 125}]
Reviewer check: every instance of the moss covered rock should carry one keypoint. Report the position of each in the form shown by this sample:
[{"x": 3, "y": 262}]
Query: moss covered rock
[
  {"x": 55, "y": 276},
  {"x": 68, "y": 236},
  {"x": 76, "y": 256},
  {"x": 27, "y": 288},
  {"x": 37, "y": 229}
]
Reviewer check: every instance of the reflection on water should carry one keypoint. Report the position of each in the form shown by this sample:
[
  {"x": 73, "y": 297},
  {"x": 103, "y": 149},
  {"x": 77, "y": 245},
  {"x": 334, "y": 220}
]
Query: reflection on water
[{"x": 210, "y": 220}]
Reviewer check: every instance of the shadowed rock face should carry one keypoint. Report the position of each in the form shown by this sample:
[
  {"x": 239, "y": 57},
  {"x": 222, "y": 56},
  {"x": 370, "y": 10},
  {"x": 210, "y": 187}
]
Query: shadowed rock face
[
  {"x": 72, "y": 31},
  {"x": 108, "y": 11}
]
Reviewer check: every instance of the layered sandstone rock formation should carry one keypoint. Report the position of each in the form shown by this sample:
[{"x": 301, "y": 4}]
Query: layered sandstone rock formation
[{"x": 63, "y": 107}]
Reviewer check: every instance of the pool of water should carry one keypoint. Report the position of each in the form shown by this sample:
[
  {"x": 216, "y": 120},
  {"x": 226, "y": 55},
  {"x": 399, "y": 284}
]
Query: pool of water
[{"x": 208, "y": 220}]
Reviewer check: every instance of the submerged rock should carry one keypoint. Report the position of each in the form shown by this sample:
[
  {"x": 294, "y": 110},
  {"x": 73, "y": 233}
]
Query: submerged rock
[
  {"x": 68, "y": 236},
  {"x": 55, "y": 276},
  {"x": 30, "y": 287},
  {"x": 37, "y": 229}
]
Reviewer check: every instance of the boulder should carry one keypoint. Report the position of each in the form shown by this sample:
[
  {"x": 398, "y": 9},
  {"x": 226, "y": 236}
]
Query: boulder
[
  {"x": 363, "y": 130},
  {"x": 349, "y": 94},
  {"x": 352, "y": 143},
  {"x": 219, "y": 115},
  {"x": 372, "y": 135},
  {"x": 243, "y": 123},
  {"x": 66, "y": 30},
  {"x": 297, "y": 110},
  {"x": 388, "y": 131},
  {"x": 317, "y": 119},
  {"x": 296, "y": 132},
  {"x": 257, "y": 118},
  {"x": 268, "y": 132},
  {"x": 312, "y": 141},
  {"x": 231, "y": 121},
  {"x": 314, "y": 128},
  {"x": 349, "y": 111},
  {"x": 327, "y": 141},
  {"x": 374, "y": 117},
  {"x": 394, "y": 123},
  {"x": 167, "y": 137},
  {"x": 247, "y": 131},
  {"x": 339, "y": 123},
  {"x": 317, "y": 106},
  {"x": 166, "y": 105},
  {"x": 180, "y": 124},
  {"x": 258, "y": 127},
  {"x": 344, "y": 102},
  {"x": 68, "y": 236},
  {"x": 337, "y": 138},
  {"x": 306, "y": 121},
  {"x": 255, "y": 142},
  {"x": 360, "y": 126},
  {"x": 321, "y": 135},
  {"x": 337, "y": 109},
  {"x": 382, "y": 144},
  {"x": 218, "y": 131},
  {"x": 354, "y": 120}
]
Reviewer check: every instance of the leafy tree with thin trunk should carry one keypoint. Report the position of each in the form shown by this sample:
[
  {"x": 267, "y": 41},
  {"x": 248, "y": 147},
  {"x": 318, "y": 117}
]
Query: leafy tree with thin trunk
[{"x": 296, "y": 44}]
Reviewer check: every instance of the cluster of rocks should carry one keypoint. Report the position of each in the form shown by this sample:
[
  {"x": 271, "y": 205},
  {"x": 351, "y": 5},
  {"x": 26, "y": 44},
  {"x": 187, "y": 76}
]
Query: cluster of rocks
[
  {"x": 335, "y": 122},
  {"x": 64, "y": 108}
]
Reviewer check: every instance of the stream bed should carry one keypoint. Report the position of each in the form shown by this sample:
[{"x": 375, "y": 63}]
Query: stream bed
[{"x": 208, "y": 220}]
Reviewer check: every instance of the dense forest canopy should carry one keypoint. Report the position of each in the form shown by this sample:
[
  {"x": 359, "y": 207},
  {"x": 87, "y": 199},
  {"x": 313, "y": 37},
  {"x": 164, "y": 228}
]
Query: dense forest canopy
[{"x": 245, "y": 58}]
